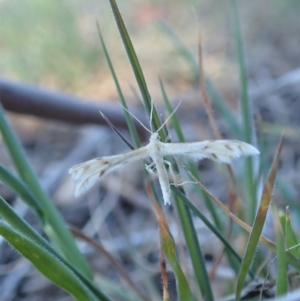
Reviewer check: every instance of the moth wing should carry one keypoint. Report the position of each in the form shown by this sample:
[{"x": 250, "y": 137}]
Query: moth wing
[
  {"x": 84, "y": 175},
  {"x": 217, "y": 150}
]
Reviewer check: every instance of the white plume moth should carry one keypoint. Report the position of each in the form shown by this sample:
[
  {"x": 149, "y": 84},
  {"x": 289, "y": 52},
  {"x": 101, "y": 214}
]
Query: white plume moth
[{"x": 87, "y": 173}]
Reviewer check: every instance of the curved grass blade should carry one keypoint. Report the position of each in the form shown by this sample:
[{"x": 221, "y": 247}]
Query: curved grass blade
[
  {"x": 58, "y": 230},
  {"x": 22, "y": 227},
  {"x": 21, "y": 190},
  {"x": 258, "y": 223},
  {"x": 47, "y": 264}
]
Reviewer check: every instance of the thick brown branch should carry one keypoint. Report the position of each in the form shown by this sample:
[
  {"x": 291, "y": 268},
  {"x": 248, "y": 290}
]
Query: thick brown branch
[{"x": 26, "y": 99}]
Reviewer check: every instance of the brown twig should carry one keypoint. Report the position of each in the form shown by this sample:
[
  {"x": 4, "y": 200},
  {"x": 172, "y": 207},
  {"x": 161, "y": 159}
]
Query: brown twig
[
  {"x": 31, "y": 100},
  {"x": 79, "y": 234}
]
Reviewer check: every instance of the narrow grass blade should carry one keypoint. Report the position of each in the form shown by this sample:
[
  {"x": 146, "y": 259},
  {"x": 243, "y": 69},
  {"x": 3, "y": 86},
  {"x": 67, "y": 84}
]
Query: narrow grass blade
[
  {"x": 281, "y": 272},
  {"x": 130, "y": 124},
  {"x": 21, "y": 190},
  {"x": 258, "y": 223},
  {"x": 235, "y": 264},
  {"x": 117, "y": 131},
  {"x": 208, "y": 224},
  {"x": 245, "y": 101},
  {"x": 291, "y": 238},
  {"x": 21, "y": 226},
  {"x": 169, "y": 249},
  {"x": 194, "y": 248},
  {"x": 136, "y": 69},
  {"x": 192, "y": 166},
  {"x": 47, "y": 264},
  {"x": 58, "y": 231},
  {"x": 247, "y": 113}
]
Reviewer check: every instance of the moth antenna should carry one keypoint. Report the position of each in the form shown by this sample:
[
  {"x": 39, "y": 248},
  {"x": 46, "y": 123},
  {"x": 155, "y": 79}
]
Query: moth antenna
[
  {"x": 137, "y": 120},
  {"x": 151, "y": 116},
  {"x": 169, "y": 117}
]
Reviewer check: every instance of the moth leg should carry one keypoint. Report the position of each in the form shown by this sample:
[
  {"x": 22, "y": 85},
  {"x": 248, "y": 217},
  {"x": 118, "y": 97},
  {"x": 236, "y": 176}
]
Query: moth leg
[
  {"x": 171, "y": 171},
  {"x": 150, "y": 168}
]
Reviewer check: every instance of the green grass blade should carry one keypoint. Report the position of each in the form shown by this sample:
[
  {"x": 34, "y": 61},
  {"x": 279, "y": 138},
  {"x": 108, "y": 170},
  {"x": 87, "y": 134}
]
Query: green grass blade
[
  {"x": 137, "y": 70},
  {"x": 281, "y": 272},
  {"x": 247, "y": 112},
  {"x": 211, "y": 207},
  {"x": 47, "y": 264},
  {"x": 290, "y": 235},
  {"x": 258, "y": 223},
  {"x": 128, "y": 117},
  {"x": 21, "y": 226},
  {"x": 21, "y": 190},
  {"x": 169, "y": 249},
  {"x": 58, "y": 230},
  {"x": 245, "y": 101},
  {"x": 192, "y": 166},
  {"x": 207, "y": 223},
  {"x": 194, "y": 248}
]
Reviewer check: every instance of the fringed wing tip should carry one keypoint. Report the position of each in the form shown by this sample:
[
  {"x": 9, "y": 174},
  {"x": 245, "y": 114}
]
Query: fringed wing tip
[{"x": 82, "y": 181}]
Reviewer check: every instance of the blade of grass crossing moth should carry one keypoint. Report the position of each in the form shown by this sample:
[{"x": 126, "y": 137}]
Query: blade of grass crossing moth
[
  {"x": 136, "y": 69},
  {"x": 192, "y": 166},
  {"x": 247, "y": 112},
  {"x": 58, "y": 230},
  {"x": 21, "y": 226},
  {"x": 47, "y": 264},
  {"x": 258, "y": 222},
  {"x": 193, "y": 244},
  {"x": 291, "y": 238},
  {"x": 216, "y": 98},
  {"x": 210, "y": 205},
  {"x": 281, "y": 272},
  {"x": 21, "y": 190},
  {"x": 130, "y": 124}
]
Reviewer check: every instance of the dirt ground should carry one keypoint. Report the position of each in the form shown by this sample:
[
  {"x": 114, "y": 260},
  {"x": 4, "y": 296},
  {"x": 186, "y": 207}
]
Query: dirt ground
[{"x": 271, "y": 43}]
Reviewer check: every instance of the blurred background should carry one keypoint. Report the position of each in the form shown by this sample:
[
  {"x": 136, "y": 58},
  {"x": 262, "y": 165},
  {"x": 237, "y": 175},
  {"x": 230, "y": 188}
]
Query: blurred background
[{"x": 54, "y": 45}]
